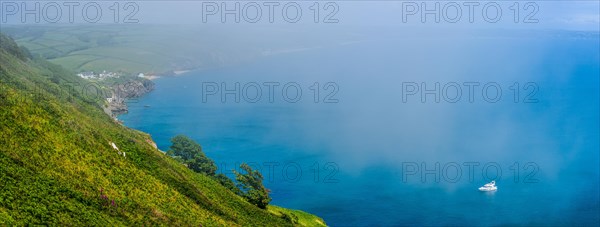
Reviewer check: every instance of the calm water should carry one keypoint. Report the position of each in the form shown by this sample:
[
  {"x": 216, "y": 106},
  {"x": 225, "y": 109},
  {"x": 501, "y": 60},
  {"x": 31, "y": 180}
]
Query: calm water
[{"x": 371, "y": 158}]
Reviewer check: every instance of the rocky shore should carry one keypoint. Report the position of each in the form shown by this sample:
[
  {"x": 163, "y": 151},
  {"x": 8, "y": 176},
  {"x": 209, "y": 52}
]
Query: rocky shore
[{"x": 117, "y": 103}]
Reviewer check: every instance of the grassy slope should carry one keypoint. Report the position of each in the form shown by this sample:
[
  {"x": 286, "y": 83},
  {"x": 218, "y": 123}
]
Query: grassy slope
[
  {"x": 55, "y": 159},
  {"x": 304, "y": 219}
]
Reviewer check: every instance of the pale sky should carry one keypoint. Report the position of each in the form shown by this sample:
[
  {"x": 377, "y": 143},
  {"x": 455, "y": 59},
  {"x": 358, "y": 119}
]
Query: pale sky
[{"x": 563, "y": 15}]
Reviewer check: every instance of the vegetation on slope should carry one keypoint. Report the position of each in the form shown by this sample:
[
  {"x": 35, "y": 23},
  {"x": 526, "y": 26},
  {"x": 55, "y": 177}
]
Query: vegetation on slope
[{"x": 58, "y": 166}]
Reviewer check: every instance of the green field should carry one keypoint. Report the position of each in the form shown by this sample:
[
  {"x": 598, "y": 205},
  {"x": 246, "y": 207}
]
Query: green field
[
  {"x": 127, "y": 49},
  {"x": 157, "y": 49}
]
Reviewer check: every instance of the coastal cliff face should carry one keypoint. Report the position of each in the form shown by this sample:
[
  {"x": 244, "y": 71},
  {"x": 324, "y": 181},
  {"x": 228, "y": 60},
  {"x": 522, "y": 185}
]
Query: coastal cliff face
[
  {"x": 120, "y": 93},
  {"x": 134, "y": 88}
]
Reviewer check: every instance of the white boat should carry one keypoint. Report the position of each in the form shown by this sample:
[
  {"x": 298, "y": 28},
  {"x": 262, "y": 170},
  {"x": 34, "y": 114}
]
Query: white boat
[{"x": 489, "y": 187}]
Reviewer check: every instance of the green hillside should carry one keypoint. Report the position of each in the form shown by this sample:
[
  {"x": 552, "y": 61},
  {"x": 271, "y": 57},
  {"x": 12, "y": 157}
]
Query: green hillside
[
  {"x": 58, "y": 166},
  {"x": 162, "y": 49}
]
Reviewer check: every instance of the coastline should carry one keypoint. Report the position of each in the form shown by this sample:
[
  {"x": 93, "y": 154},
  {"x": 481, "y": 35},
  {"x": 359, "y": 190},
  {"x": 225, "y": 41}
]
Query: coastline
[
  {"x": 179, "y": 72},
  {"x": 167, "y": 74},
  {"x": 117, "y": 104}
]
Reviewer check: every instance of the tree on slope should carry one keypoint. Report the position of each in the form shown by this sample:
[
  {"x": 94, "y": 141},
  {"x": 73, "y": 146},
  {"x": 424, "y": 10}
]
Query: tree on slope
[
  {"x": 190, "y": 153},
  {"x": 252, "y": 187}
]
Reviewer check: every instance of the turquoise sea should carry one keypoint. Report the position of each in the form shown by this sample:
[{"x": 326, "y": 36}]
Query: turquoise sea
[{"x": 372, "y": 152}]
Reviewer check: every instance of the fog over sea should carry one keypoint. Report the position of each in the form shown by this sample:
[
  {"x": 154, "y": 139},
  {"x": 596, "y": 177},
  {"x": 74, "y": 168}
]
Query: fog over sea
[{"x": 402, "y": 131}]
